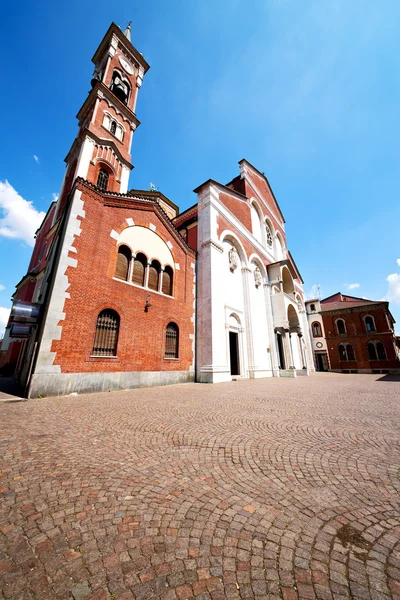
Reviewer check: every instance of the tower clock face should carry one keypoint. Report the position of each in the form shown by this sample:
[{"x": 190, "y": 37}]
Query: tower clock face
[{"x": 126, "y": 65}]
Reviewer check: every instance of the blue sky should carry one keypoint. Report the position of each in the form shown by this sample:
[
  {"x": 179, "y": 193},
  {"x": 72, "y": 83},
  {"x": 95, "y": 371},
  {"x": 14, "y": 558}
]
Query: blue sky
[{"x": 308, "y": 91}]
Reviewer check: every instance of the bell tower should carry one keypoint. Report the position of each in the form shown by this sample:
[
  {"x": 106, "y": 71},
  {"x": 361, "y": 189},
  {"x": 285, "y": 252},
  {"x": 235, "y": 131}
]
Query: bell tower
[{"x": 107, "y": 120}]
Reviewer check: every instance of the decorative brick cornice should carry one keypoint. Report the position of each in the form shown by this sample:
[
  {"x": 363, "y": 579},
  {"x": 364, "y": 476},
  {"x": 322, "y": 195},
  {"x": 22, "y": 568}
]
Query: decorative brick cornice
[{"x": 367, "y": 308}]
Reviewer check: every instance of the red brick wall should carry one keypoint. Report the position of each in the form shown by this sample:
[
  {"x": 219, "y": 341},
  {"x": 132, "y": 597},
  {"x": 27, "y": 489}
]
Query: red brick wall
[
  {"x": 358, "y": 337},
  {"x": 192, "y": 237},
  {"x": 92, "y": 288},
  {"x": 262, "y": 187},
  {"x": 237, "y": 207}
]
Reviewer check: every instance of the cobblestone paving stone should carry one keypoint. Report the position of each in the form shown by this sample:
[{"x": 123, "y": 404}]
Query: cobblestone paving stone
[{"x": 266, "y": 489}]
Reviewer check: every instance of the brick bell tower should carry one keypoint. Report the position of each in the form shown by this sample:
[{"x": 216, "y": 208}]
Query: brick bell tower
[{"x": 107, "y": 120}]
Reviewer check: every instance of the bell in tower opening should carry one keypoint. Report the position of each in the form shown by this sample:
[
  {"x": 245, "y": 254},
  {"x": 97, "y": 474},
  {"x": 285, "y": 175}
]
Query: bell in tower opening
[
  {"x": 120, "y": 87},
  {"x": 97, "y": 75}
]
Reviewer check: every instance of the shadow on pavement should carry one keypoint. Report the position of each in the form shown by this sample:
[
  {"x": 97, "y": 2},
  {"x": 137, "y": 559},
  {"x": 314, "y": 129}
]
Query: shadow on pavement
[
  {"x": 389, "y": 378},
  {"x": 9, "y": 389}
]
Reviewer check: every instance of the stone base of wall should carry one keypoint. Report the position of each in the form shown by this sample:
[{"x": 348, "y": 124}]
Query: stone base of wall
[
  {"x": 260, "y": 374},
  {"x": 368, "y": 371},
  {"x": 302, "y": 372},
  {"x": 209, "y": 375},
  {"x": 62, "y": 384},
  {"x": 287, "y": 373}
]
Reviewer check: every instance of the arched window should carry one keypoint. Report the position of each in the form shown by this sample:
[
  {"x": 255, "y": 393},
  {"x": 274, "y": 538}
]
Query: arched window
[
  {"x": 268, "y": 235},
  {"x": 120, "y": 87},
  {"x": 316, "y": 329},
  {"x": 256, "y": 222},
  {"x": 167, "y": 281},
  {"x": 172, "y": 341},
  {"x": 350, "y": 352},
  {"x": 123, "y": 259},
  {"x": 279, "y": 248},
  {"x": 341, "y": 326},
  {"x": 106, "y": 336},
  {"x": 42, "y": 250},
  {"x": 380, "y": 350},
  {"x": 369, "y": 324},
  {"x": 346, "y": 352},
  {"x": 102, "y": 180},
  {"x": 371, "y": 351},
  {"x": 312, "y": 307},
  {"x": 113, "y": 127},
  {"x": 139, "y": 269},
  {"x": 154, "y": 275}
]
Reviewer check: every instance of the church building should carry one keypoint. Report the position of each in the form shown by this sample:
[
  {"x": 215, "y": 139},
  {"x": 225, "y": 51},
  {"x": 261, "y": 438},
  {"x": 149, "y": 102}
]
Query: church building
[{"x": 123, "y": 291}]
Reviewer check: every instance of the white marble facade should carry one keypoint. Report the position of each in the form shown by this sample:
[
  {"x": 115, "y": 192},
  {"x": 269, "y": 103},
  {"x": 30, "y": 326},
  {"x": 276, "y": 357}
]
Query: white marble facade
[{"x": 251, "y": 319}]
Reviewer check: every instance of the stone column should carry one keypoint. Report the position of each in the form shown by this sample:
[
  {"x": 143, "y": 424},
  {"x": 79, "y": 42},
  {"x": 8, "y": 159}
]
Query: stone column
[
  {"x": 289, "y": 347},
  {"x": 160, "y": 279},
  {"x": 130, "y": 269},
  {"x": 246, "y": 274},
  {"x": 271, "y": 331},
  {"x": 302, "y": 353},
  {"x": 146, "y": 275}
]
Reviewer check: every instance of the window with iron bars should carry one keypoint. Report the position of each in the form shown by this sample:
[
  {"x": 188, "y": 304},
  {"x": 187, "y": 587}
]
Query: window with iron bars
[{"x": 106, "y": 336}]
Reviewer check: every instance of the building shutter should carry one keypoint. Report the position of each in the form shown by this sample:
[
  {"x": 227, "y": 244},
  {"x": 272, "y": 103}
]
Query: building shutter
[
  {"x": 106, "y": 337},
  {"x": 122, "y": 264},
  {"x": 167, "y": 282},
  {"x": 153, "y": 277},
  {"x": 138, "y": 270}
]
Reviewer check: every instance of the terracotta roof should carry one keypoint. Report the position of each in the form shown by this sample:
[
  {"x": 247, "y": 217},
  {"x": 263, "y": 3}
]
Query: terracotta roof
[{"x": 343, "y": 305}]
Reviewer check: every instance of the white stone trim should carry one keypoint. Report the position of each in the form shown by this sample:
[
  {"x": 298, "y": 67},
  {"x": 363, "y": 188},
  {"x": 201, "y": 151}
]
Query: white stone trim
[{"x": 52, "y": 330}]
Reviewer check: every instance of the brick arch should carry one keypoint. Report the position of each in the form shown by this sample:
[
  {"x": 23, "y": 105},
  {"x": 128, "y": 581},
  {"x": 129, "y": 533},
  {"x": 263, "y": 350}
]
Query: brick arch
[{"x": 124, "y": 225}]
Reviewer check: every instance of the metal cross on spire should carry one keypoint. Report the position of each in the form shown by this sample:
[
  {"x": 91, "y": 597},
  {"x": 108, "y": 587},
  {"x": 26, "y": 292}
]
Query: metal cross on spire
[{"x": 127, "y": 31}]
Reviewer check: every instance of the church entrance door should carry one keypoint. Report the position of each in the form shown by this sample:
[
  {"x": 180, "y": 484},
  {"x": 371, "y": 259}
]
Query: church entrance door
[
  {"x": 322, "y": 361},
  {"x": 234, "y": 352}
]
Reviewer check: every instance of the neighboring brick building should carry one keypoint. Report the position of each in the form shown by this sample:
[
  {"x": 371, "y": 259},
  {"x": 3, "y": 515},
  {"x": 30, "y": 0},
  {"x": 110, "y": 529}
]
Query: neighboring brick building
[
  {"x": 357, "y": 334},
  {"x": 113, "y": 271}
]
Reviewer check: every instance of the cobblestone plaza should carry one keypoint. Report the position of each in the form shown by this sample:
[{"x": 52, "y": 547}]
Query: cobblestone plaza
[{"x": 273, "y": 488}]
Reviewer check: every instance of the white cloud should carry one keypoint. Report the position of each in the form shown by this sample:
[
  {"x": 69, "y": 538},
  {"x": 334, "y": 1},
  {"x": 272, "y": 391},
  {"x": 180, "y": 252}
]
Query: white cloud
[
  {"x": 19, "y": 219},
  {"x": 398, "y": 261},
  {"x": 4, "y": 314},
  {"x": 2, "y": 287},
  {"x": 36, "y": 159},
  {"x": 352, "y": 286},
  {"x": 54, "y": 197},
  {"x": 393, "y": 293}
]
